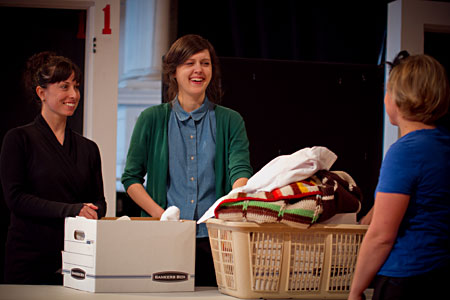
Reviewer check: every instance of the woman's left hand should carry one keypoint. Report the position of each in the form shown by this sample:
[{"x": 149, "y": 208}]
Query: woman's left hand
[
  {"x": 89, "y": 211},
  {"x": 351, "y": 296}
]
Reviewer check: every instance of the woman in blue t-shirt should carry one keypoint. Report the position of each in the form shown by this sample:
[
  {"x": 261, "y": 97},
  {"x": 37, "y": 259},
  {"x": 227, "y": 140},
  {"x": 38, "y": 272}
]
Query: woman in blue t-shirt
[{"x": 405, "y": 253}]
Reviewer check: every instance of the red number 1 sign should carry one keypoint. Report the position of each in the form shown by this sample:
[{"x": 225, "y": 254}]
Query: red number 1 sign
[{"x": 107, "y": 14}]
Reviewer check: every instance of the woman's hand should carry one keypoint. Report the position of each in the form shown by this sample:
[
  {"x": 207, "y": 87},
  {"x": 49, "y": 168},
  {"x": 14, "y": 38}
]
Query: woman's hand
[
  {"x": 89, "y": 211},
  {"x": 240, "y": 182},
  {"x": 367, "y": 218},
  {"x": 351, "y": 296},
  {"x": 137, "y": 192}
]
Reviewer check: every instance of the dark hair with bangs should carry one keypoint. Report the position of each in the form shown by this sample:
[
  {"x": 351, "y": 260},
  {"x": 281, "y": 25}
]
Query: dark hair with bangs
[
  {"x": 179, "y": 52},
  {"x": 45, "y": 68}
]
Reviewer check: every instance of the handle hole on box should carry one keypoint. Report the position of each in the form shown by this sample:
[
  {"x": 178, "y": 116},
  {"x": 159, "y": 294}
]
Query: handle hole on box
[{"x": 79, "y": 235}]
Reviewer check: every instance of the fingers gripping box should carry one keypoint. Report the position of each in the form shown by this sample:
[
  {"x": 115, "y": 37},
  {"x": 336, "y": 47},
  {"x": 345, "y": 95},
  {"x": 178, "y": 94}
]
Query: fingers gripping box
[{"x": 138, "y": 255}]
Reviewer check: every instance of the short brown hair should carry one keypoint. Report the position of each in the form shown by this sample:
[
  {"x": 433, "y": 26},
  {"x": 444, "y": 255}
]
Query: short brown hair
[
  {"x": 420, "y": 88},
  {"x": 179, "y": 52}
]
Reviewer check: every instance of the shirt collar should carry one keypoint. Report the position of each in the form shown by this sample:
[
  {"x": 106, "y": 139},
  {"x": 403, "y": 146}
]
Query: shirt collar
[{"x": 196, "y": 115}]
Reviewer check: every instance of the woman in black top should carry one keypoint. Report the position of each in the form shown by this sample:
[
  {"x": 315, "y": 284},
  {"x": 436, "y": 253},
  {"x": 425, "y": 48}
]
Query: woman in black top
[{"x": 48, "y": 172}]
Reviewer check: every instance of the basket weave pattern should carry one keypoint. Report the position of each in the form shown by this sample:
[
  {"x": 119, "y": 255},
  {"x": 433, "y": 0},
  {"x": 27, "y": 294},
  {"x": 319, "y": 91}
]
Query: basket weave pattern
[{"x": 264, "y": 261}]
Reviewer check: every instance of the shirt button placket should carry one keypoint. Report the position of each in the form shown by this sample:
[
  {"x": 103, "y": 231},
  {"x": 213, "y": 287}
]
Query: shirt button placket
[{"x": 192, "y": 165}]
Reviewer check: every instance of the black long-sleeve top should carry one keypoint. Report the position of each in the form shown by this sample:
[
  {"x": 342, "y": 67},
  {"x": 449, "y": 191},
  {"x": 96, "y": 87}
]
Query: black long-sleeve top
[{"x": 44, "y": 182}]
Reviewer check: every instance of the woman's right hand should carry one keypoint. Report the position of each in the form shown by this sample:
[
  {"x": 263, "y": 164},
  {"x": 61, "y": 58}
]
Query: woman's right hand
[
  {"x": 139, "y": 195},
  {"x": 89, "y": 211},
  {"x": 158, "y": 211}
]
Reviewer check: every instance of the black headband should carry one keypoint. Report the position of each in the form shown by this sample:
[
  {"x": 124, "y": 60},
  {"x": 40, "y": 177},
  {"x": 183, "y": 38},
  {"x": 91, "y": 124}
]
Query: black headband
[{"x": 400, "y": 56}]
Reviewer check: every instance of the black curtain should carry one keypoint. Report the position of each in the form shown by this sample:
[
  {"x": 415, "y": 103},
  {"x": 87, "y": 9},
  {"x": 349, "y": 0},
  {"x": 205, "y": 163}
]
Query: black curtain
[
  {"x": 327, "y": 31},
  {"x": 26, "y": 31}
]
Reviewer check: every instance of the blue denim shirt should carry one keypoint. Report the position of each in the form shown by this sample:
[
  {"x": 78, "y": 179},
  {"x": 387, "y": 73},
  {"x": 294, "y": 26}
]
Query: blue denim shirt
[{"x": 192, "y": 148}]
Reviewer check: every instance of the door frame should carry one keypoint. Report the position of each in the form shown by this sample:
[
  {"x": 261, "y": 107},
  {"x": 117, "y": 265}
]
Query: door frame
[{"x": 407, "y": 22}]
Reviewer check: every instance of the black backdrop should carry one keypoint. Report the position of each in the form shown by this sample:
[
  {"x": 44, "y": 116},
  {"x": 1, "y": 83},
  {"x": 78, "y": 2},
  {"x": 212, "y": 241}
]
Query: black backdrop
[
  {"x": 27, "y": 31},
  {"x": 326, "y": 31},
  {"x": 294, "y": 70},
  {"x": 302, "y": 74},
  {"x": 290, "y": 105}
]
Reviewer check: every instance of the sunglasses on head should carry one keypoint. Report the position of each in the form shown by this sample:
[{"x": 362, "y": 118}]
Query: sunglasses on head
[{"x": 400, "y": 56}]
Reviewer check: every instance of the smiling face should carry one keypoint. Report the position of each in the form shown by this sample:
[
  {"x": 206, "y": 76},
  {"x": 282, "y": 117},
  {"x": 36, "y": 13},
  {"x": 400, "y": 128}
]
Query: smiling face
[
  {"x": 194, "y": 75},
  {"x": 59, "y": 99}
]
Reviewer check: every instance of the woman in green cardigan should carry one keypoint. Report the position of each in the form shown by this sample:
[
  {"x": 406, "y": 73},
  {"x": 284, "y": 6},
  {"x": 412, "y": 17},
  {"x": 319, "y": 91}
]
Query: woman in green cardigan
[{"x": 192, "y": 150}]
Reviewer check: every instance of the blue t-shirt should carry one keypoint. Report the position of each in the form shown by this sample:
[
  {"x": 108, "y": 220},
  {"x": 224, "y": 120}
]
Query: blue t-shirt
[
  {"x": 418, "y": 165},
  {"x": 192, "y": 150}
]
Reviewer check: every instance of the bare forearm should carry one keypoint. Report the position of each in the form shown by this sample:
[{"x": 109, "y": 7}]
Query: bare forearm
[
  {"x": 371, "y": 257},
  {"x": 388, "y": 213},
  {"x": 139, "y": 195}
]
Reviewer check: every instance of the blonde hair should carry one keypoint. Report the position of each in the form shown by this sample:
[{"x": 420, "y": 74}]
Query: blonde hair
[{"x": 420, "y": 88}]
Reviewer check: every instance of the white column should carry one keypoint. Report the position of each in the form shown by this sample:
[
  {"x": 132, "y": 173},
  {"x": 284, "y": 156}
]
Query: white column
[
  {"x": 100, "y": 111},
  {"x": 393, "y": 47},
  {"x": 161, "y": 36}
]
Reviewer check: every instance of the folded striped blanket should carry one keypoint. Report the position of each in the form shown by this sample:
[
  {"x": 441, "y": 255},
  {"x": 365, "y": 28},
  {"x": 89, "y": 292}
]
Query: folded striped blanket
[{"x": 297, "y": 204}]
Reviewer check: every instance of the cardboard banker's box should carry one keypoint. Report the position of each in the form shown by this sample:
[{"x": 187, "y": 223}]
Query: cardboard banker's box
[{"x": 138, "y": 255}]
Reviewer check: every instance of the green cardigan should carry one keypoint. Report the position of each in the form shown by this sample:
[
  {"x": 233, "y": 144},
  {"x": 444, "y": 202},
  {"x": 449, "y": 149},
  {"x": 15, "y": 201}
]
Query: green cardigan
[{"x": 148, "y": 152}]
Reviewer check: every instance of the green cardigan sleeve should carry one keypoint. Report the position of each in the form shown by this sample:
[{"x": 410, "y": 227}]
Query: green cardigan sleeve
[
  {"x": 232, "y": 150},
  {"x": 148, "y": 153}
]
